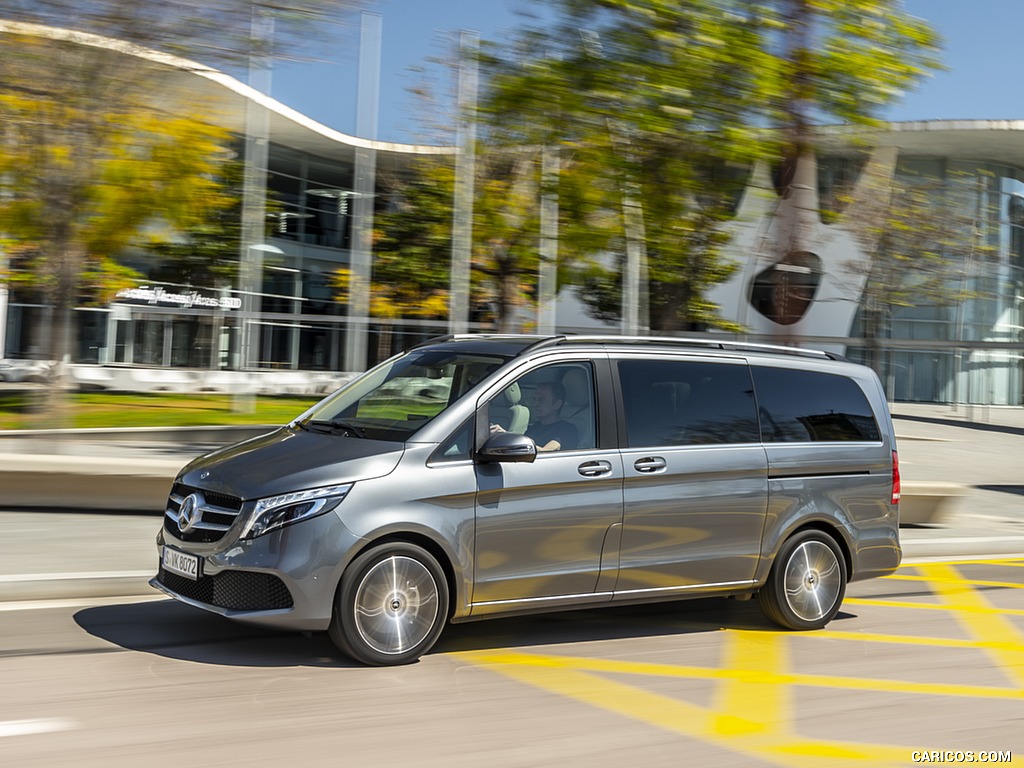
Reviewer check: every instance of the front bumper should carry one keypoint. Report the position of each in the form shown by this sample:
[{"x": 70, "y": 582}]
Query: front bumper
[{"x": 285, "y": 579}]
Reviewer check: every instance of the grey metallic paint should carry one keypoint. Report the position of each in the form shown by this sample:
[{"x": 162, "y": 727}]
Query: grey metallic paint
[{"x": 524, "y": 537}]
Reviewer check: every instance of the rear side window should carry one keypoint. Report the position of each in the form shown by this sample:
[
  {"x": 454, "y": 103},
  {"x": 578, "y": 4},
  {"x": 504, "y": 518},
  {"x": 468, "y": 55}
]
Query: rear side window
[
  {"x": 678, "y": 402},
  {"x": 806, "y": 406}
]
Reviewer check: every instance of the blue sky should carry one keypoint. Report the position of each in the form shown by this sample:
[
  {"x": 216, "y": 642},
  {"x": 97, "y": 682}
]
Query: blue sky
[{"x": 981, "y": 50}]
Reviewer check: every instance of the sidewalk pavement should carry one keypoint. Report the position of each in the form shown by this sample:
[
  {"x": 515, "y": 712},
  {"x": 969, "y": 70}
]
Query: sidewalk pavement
[{"x": 49, "y": 551}]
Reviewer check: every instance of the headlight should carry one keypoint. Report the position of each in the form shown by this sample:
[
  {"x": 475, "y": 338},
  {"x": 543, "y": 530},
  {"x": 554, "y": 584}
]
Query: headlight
[{"x": 278, "y": 511}]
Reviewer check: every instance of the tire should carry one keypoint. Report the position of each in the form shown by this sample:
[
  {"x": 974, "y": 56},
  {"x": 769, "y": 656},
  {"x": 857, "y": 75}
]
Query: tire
[
  {"x": 391, "y": 605},
  {"x": 807, "y": 582}
]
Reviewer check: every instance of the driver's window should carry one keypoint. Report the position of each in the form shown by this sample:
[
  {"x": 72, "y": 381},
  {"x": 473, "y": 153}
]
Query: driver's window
[{"x": 554, "y": 405}]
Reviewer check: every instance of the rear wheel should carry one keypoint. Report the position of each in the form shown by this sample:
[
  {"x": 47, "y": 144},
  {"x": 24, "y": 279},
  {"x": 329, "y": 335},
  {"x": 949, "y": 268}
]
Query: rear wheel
[
  {"x": 807, "y": 582},
  {"x": 391, "y": 605}
]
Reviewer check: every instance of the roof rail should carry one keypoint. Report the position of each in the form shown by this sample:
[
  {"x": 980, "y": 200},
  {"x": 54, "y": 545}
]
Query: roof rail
[
  {"x": 682, "y": 341},
  {"x": 540, "y": 342}
]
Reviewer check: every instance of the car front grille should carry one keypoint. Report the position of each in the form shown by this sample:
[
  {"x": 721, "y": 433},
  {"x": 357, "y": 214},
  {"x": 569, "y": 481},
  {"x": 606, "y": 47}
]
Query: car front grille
[
  {"x": 216, "y": 513},
  {"x": 233, "y": 590}
]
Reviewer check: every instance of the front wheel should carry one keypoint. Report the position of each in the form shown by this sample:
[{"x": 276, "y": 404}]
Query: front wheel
[
  {"x": 391, "y": 605},
  {"x": 807, "y": 582}
]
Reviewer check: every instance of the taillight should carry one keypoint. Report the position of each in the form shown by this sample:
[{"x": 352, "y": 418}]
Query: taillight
[{"x": 895, "y": 478}]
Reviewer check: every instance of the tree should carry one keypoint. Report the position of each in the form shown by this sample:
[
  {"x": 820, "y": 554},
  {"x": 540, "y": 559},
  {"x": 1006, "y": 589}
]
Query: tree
[
  {"x": 206, "y": 253},
  {"x": 412, "y": 241},
  {"x": 507, "y": 184},
  {"x": 925, "y": 242},
  {"x": 652, "y": 101},
  {"x": 94, "y": 153},
  {"x": 215, "y": 32},
  {"x": 88, "y": 164},
  {"x": 629, "y": 94},
  {"x": 412, "y": 248}
]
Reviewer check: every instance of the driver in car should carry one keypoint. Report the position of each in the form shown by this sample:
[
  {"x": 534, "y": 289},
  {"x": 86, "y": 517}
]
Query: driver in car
[{"x": 547, "y": 430}]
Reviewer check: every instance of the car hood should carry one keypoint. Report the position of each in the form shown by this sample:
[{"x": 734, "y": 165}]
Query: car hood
[{"x": 287, "y": 460}]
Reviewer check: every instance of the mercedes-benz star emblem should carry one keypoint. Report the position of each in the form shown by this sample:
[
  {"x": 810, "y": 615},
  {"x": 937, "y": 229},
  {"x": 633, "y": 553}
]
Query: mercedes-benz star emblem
[{"x": 188, "y": 513}]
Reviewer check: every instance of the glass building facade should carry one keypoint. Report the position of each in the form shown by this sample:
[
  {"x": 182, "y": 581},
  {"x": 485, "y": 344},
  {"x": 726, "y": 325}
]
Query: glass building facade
[
  {"x": 302, "y": 325},
  {"x": 981, "y": 327}
]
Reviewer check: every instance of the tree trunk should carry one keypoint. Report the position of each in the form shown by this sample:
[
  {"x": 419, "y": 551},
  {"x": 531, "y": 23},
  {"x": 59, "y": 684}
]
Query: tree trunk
[
  {"x": 62, "y": 334},
  {"x": 507, "y": 288}
]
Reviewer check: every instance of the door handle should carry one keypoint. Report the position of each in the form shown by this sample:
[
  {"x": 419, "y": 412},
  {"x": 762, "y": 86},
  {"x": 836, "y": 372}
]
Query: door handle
[
  {"x": 650, "y": 464},
  {"x": 595, "y": 468}
]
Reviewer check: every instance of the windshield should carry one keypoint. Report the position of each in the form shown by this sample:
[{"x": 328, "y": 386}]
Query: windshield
[{"x": 400, "y": 396}]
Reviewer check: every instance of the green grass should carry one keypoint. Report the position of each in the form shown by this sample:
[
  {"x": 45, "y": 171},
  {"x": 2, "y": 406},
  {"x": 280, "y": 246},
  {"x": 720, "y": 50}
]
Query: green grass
[{"x": 22, "y": 410}]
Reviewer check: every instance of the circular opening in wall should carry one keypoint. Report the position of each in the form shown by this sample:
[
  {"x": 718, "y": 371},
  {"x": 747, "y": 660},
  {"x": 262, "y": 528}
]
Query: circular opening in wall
[{"x": 785, "y": 290}]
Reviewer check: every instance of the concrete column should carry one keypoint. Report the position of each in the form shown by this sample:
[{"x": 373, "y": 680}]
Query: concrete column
[
  {"x": 462, "y": 224},
  {"x": 367, "y": 111},
  {"x": 547, "y": 279}
]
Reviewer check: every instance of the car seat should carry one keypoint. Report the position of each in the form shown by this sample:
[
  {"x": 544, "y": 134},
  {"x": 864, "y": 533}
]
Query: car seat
[{"x": 507, "y": 410}]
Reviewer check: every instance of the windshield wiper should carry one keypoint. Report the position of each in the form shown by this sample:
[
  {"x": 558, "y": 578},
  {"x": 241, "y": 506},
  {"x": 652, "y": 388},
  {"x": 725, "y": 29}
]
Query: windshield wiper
[{"x": 336, "y": 425}]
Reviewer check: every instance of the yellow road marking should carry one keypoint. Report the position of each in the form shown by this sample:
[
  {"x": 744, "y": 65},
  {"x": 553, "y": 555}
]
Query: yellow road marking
[
  {"x": 752, "y": 712},
  {"x": 984, "y": 622},
  {"x": 971, "y": 582},
  {"x": 761, "y": 692},
  {"x": 767, "y": 743},
  {"x": 966, "y": 607},
  {"x": 744, "y": 676},
  {"x": 939, "y": 642}
]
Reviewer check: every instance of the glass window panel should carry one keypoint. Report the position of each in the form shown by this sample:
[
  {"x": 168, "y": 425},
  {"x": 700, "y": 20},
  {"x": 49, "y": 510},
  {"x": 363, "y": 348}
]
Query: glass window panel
[
  {"x": 673, "y": 402},
  {"x": 807, "y": 406},
  {"x": 554, "y": 405}
]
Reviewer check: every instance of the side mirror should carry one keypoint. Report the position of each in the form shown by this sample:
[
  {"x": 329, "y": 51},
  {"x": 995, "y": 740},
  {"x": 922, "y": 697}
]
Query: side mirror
[{"x": 506, "y": 447}]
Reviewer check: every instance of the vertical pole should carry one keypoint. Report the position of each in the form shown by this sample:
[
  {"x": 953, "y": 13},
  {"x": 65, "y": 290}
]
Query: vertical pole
[
  {"x": 547, "y": 279},
  {"x": 462, "y": 224},
  {"x": 254, "y": 202},
  {"x": 367, "y": 108},
  {"x": 634, "y": 279},
  {"x": 3, "y": 308}
]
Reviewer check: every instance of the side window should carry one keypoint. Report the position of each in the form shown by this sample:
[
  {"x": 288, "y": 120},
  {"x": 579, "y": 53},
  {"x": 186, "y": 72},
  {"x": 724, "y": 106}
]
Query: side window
[
  {"x": 554, "y": 405},
  {"x": 807, "y": 406},
  {"x": 678, "y": 402},
  {"x": 457, "y": 447}
]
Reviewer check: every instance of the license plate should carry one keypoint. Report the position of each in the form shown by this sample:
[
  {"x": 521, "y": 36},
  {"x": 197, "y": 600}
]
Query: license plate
[{"x": 181, "y": 563}]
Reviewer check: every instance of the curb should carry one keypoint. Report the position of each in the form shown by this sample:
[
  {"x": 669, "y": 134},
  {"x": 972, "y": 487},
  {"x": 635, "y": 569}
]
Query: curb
[
  {"x": 84, "y": 482},
  {"x": 66, "y": 586}
]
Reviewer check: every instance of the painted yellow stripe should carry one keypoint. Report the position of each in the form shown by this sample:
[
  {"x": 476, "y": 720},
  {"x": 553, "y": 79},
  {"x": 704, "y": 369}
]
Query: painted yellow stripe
[
  {"x": 1013, "y": 562},
  {"x": 989, "y": 625},
  {"x": 968, "y": 606},
  {"x": 676, "y": 716},
  {"x": 970, "y": 582},
  {"x": 937, "y": 642},
  {"x": 760, "y": 701},
  {"x": 745, "y": 676}
]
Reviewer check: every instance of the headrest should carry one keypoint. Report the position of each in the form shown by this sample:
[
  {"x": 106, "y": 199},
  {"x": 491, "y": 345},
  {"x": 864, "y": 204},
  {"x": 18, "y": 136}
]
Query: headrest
[
  {"x": 577, "y": 386},
  {"x": 512, "y": 394}
]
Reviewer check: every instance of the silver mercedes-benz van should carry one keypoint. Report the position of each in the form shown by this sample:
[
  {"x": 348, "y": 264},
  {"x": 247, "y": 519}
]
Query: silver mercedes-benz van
[{"x": 483, "y": 475}]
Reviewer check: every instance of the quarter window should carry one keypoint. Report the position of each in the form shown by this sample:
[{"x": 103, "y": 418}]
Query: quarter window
[
  {"x": 677, "y": 402},
  {"x": 807, "y": 406}
]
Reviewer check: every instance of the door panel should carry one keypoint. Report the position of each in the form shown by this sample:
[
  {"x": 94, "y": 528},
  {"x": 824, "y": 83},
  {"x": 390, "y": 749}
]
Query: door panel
[
  {"x": 697, "y": 521},
  {"x": 541, "y": 527},
  {"x": 695, "y": 474},
  {"x": 549, "y": 528}
]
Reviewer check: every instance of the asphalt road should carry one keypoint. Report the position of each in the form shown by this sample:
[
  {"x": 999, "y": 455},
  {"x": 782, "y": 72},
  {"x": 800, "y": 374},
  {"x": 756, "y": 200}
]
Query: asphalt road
[
  {"x": 926, "y": 666},
  {"x": 931, "y": 659}
]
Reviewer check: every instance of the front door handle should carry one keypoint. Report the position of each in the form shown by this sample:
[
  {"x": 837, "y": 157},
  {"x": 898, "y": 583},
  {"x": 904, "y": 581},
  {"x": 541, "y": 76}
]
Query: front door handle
[
  {"x": 650, "y": 464},
  {"x": 595, "y": 468}
]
